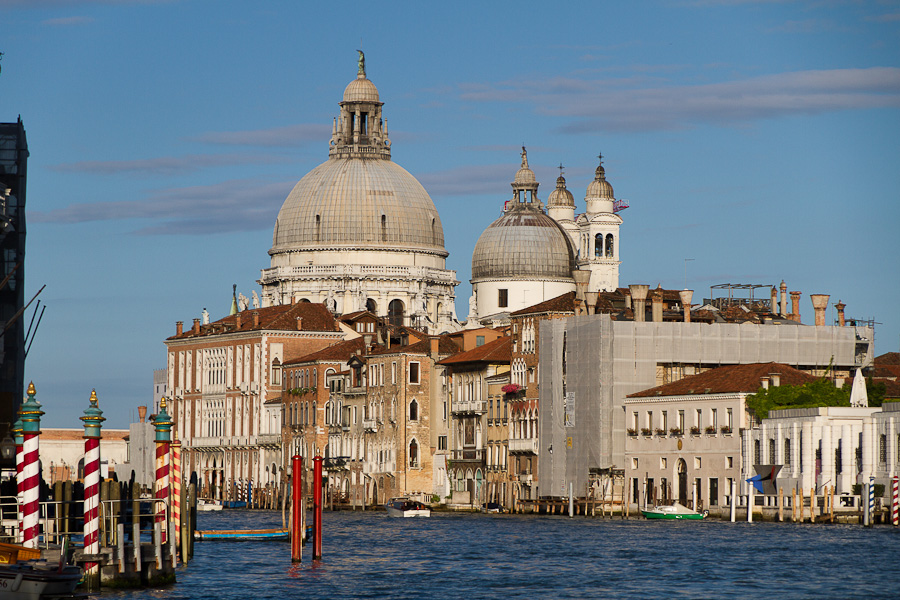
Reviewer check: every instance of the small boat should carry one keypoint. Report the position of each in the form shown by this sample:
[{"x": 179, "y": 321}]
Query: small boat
[
  {"x": 493, "y": 508},
  {"x": 24, "y": 576},
  {"x": 405, "y": 507},
  {"x": 37, "y": 579},
  {"x": 242, "y": 534},
  {"x": 208, "y": 505},
  {"x": 674, "y": 512}
]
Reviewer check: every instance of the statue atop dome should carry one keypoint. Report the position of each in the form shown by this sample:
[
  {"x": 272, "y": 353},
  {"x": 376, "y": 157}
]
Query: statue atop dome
[{"x": 361, "y": 64}]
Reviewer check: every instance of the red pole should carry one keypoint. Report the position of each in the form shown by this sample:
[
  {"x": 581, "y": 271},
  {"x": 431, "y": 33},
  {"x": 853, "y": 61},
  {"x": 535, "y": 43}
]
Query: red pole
[
  {"x": 317, "y": 508},
  {"x": 296, "y": 509}
]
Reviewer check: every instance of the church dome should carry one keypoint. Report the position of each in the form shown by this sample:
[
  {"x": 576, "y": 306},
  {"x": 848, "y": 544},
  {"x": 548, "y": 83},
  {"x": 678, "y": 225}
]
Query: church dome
[
  {"x": 560, "y": 196},
  {"x": 361, "y": 90},
  {"x": 523, "y": 244},
  {"x": 358, "y": 202},
  {"x": 600, "y": 187}
]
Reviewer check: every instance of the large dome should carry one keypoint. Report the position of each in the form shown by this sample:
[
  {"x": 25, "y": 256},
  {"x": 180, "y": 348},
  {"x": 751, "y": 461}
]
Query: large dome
[
  {"x": 358, "y": 202},
  {"x": 523, "y": 244}
]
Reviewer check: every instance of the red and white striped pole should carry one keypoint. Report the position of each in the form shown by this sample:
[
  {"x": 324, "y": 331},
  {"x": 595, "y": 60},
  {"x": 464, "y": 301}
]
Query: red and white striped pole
[
  {"x": 895, "y": 501},
  {"x": 93, "y": 420},
  {"x": 163, "y": 425},
  {"x": 176, "y": 490},
  {"x": 20, "y": 459},
  {"x": 31, "y": 477}
]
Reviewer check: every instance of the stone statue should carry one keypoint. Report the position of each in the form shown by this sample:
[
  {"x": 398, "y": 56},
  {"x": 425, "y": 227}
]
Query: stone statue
[
  {"x": 205, "y": 316},
  {"x": 361, "y": 64},
  {"x": 255, "y": 300},
  {"x": 473, "y": 305},
  {"x": 243, "y": 302}
]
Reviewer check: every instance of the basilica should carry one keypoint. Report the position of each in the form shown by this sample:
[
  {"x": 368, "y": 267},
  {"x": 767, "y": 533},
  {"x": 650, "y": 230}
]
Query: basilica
[{"x": 359, "y": 232}]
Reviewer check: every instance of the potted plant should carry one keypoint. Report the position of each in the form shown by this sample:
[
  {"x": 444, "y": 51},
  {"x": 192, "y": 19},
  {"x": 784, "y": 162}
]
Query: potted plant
[
  {"x": 725, "y": 429},
  {"x": 695, "y": 430},
  {"x": 711, "y": 429},
  {"x": 675, "y": 431},
  {"x": 646, "y": 431},
  {"x": 632, "y": 431},
  {"x": 511, "y": 388},
  {"x": 660, "y": 431}
]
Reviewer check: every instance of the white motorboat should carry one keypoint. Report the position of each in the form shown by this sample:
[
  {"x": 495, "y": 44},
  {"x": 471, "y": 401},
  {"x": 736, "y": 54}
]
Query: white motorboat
[
  {"x": 37, "y": 579},
  {"x": 406, "y": 507},
  {"x": 207, "y": 505},
  {"x": 674, "y": 512}
]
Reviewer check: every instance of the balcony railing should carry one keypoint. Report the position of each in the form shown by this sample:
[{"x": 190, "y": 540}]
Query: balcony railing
[
  {"x": 523, "y": 446},
  {"x": 269, "y": 439},
  {"x": 478, "y": 407},
  {"x": 370, "y": 425},
  {"x": 471, "y": 454}
]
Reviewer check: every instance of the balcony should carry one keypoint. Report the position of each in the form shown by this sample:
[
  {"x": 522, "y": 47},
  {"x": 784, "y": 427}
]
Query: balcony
[
  {"x": 269, "y": 439},
  {"x": 468, "y": 454},
  {"x": 523, "y": 446},
  {"x": 370, "y": 425},
  {"x": 336, "y": 463},
  {"x": 472, "y": 407},
  {"x": 526, "y": 477}
]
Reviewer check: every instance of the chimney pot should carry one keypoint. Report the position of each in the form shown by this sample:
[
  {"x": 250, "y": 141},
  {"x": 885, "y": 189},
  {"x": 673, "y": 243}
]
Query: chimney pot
[
  {"x": 820, "y": 304},
  {"x": 783, "y": 312},
  {"x": 196, "y": 328},
  {"x": 639, "y": 297},
  {"x": 774, "y": 301},
  {"x": 686, "y": 296},
  {"x": 656, "y": 303},
  {"x": 795, "y": 306},
  {"x": 238, "y": 321},
  {"x": 435, "y": 344},
  {"x": 299, "y": 323},
  {"x": 179, "y": 327},
  {"x": 255, "y": 314},
  {"x": 142, "y": 413},
  {"x": 840, "y": 306}
]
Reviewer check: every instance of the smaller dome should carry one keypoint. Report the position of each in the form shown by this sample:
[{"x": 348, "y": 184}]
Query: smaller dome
[
  {"x": 600, "y": 187},
  {"x": 361, "y": 90},
  {"x": 560, "y": 196}
]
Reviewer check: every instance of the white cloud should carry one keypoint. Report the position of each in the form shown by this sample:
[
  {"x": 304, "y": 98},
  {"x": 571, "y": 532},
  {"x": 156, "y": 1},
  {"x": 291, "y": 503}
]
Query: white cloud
[
  {"x": 623, "y": 105},
  {"x": 165, "y": 165},
  {"x": 291, "y": 135}
]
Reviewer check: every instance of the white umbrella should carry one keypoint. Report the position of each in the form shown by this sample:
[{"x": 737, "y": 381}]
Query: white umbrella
[{"x": 858, "y": 395}]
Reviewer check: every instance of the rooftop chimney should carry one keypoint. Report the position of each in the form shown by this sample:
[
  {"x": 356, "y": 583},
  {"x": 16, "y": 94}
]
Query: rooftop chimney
[
  {"x": 293, "y": 300},
  {"x": 196, "y": 328},
  {"x": 686, "y": 296},
  {"x": 237, "y": 321},
  {"x": 795, "y": 307},
  {"x": 435, "y": 344},
  {"x": 656, "y": 304},
  {"x": 142, "y": 413},
  {"x": 639, "y": 295},
  {"x": 581, "y": 282},
  {"x": 255, "y": 314},
  {"x": 840, "y": 306},
  {"x": 820, "y": 303},
  {"x": 783, "y": 311},
  {"x": 774, "y": 302},
  {"x": 299, "y": 323},
  {"x": 592, "y": 302},
  {"x": 179, "y": 327}
]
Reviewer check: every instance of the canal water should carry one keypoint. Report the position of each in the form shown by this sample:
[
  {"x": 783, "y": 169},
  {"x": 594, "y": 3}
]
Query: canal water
[{"x": 368, "y": 555}]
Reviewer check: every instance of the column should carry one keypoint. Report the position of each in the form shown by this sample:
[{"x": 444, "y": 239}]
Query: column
[
  {"x": 848, "y": 459},
  {"x": 807, "y": 456}
]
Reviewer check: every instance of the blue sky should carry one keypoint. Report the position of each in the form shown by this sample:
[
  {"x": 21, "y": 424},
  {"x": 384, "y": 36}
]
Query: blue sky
[{"x": 759, "y": 139}]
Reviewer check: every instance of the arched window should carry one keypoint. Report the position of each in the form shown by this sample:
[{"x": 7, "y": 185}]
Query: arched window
[
  {"x": 318, "y": 227},
  {"x": 372, "y": 306},
  {"x": 396, "y": 312},
  {"x": 598, "y": 245},
  {"x": 414, "y": 454},
  {"x": 413, "y": 411},
  {"x": 314, "y": 404},
  {"x": 610, "y": 245},
  {"x": 383, "y": 228}
]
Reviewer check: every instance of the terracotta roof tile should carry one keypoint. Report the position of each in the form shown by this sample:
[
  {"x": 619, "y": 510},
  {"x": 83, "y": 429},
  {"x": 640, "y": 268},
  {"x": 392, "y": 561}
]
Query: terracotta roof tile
[
  {"x": 728, "y": 379},
  {"x": 560, "y": 304},
  {"x": 889, "y": 358},
  {"x": 78, "y": 434},
  {"x": 497, "y": 351},
  {"x": 316, "y": 317},
  {"x": 342, "y": 351}
]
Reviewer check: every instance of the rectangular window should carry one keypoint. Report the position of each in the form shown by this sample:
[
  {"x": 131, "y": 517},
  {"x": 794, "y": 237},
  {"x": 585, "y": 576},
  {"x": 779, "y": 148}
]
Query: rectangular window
[
  {"x": 414, "y": 372},
  {"x": 394, "y": 372},
  {"x": 479, "y": 340},
  {"x": 503, "y": 298},
  {"x": 442, "y": 442},
  {"x": 713, "y": 418},
  {"x": 663, "y": 462},
  {"x": 700, "y": 417},
  {"x": 713, "y": 491},
  {"x": 634, "y": 420},
  {"x": 664, "y": 423},
  {"x": 634, "y": 462},
  {"x": 729, "y": 419},
  {"x": 697, "y": 462},
  {"x": 729, "y": 462},
  {"x": 681, "y": 420}
]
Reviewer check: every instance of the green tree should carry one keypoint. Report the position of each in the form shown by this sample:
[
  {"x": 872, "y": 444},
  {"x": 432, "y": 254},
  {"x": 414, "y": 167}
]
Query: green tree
[{"x": 821, "y": 392}]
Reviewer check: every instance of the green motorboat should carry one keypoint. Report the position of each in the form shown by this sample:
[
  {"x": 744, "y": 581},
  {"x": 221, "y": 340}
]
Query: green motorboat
[{"x": 674, "y": 512}]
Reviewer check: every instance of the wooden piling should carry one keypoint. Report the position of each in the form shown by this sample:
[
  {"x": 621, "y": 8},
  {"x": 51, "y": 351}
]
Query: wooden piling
[
  {"x": 812, "y": 504},
  {"x": 781, "y": 505}
]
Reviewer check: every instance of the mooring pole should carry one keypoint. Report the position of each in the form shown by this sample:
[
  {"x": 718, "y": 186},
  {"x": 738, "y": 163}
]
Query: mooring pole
[
  {"x": 864, "y": 500},
  {"x": 30, "y": 413},
  {"x": 175, "y": 448},
  {"x": 163, "y": 425},
  {"x": 93, "y": 419},
  {"x": 895, "y": 508},
  {"x": 871, "y": 502},
  {"x": 20, "y": 459},
  {"x": 296, "y": 508},
  {"x": 733, "y": 499},
  {"x": 317, "y": 507}
]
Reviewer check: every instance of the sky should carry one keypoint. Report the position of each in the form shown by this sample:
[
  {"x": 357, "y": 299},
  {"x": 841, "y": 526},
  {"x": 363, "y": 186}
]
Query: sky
[{"x": 755, "y": 141}]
